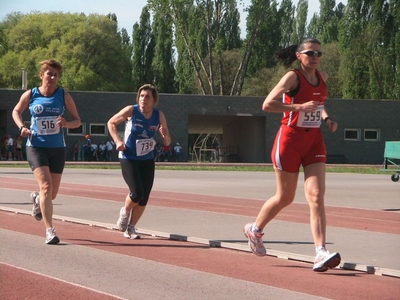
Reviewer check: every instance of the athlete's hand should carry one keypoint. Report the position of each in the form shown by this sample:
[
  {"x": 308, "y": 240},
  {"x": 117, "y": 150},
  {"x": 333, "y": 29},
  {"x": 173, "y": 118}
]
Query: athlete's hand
[
  {"x": 163, "y": 131},
  {"x": 25, "y": 132},
  {"x": 332, "y": 125},
  {"x": 120, "y": 146},
  {"x": 61, "y": 121},
  {"x": 309, "y": 106}
]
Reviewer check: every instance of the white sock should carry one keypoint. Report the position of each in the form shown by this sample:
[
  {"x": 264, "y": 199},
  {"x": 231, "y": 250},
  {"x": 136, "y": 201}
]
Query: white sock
[
  {"x": 255, "y": 228},
  {"x": 319, "y": 248}
]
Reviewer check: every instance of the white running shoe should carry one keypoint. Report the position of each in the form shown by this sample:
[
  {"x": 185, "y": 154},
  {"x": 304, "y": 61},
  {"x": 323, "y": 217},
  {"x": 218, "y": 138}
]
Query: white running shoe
[
  {"x": 131, "y": 233},
  {"x": 51, "y": 237},
  {"x": 123, "y": 220},
  {"x": 36, "y": 212},
  {"x": 255, "y": 240},
  {"x": 325, "y": 260}
]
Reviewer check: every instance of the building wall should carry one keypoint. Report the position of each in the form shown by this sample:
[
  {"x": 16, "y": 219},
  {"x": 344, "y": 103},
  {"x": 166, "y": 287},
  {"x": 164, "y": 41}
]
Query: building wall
[{"x": 240, "y": 119}]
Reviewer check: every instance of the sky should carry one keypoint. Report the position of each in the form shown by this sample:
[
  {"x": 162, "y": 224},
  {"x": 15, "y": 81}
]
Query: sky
[{"x": 127, "y": 11}]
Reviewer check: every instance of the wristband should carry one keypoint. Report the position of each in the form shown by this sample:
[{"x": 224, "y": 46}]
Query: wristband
[
  {"x": 328, "y": 118},
  {"x": 20, "y": 129}
]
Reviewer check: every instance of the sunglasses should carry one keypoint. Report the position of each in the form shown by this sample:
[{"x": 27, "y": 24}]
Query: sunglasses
[{"x": 311, "y": 53}]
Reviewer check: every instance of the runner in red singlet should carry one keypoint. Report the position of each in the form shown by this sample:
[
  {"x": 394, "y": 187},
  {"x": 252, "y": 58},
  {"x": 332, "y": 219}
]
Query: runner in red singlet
[{"x": 299, "y": 142}]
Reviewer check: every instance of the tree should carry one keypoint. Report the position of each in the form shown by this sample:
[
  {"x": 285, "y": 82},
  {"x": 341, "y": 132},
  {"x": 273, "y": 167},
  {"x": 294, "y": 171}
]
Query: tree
[
  {"x": 286, "y": 16},
  {"x": 253, "y": 25},
  {"x": 164, "y": 63},
  {"x": 268, "y": 39},
  {"x": 89, "y": 47},
  {"x": 325, "y": 25},
  {"x": 300, "y": 22},
  {"x": 202, "y": 38},
  {"x": 143, "y": 51},
  {"x": 330, "y": 63},
  {"x": 368, "y": 34}
]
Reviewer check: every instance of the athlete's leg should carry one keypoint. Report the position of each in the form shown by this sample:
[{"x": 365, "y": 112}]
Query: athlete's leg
[
  {"x": 45, "y": 181},
  {"x": 129, "y": 202},
  {"x": 131, "y": 174},
  {"x": 314, "y": 188},
  {"x": 137, "y": 213},
  {"x": 286, "y": 184},
  {"x": 56, "y": 180},
  {"x": 146, "y": 172}
]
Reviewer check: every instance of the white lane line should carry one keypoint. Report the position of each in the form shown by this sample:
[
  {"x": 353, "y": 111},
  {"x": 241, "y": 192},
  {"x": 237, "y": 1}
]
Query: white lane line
[{"x": 63, "y": 281}]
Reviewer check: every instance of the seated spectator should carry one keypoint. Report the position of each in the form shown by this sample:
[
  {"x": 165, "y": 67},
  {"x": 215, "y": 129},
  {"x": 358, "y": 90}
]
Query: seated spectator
[
  {"x": 95, "y": 151},
  {"x": 166, "y": 152},
  {"x": 102, "y": 151},
  {"x": 159, "y": 155},
  {"x": 110, "y": 147}
]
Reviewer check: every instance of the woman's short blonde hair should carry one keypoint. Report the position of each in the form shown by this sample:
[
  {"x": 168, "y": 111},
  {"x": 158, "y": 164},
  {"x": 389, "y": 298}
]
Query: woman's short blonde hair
[
  {"x": 50, "y": 63},
  {"x": 148, "y": 87}
]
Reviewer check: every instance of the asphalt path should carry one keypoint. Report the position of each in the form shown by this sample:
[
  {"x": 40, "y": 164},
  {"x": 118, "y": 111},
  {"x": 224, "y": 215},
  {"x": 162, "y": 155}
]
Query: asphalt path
[{"x": 192, "y": 245}]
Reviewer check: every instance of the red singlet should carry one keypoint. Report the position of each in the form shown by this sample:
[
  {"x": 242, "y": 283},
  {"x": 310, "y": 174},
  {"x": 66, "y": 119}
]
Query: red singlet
[{"x": 299, "y": 140}]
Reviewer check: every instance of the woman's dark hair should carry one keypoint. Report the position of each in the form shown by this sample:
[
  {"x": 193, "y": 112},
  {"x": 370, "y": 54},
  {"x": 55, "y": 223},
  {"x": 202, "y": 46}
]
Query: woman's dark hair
[{"x": 288, "y": 54}]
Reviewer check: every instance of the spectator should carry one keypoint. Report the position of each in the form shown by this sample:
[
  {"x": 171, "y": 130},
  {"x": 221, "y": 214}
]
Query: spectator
[
  {"x": 102, "y": 151},
  {"x": 76, "y": 151},
  {"x": 18, "y": 148},
  {"x": 178, "y": 152},
  {"x": 166, "y": 152},
  {"x": 159, "y": 155},
  {"x": 110, "y": 147},
  {"x": 87, "y": 148},
  {"x": 215, "y": 153},
  {"x": 10, "y": 147},
  {"x": 94, "y": 150},
  {"x": 3, "y": 146},
  {"x": 81, "y": 148}
]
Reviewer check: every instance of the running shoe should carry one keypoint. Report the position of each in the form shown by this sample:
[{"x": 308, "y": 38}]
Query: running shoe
[
  {"x": 131, "y": 233},
  {"x": 255, "y": 240},
  {"x": 123, "y": 220},
  {"x": 325, "y": 260},
  {"x": 36, "y": 212},
  {"x": 51, "y": 237}
]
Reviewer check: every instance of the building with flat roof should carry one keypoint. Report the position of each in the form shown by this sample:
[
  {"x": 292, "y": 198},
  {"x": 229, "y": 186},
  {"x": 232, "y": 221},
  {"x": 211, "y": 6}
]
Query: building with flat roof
[{"x": 245, "y": 133}]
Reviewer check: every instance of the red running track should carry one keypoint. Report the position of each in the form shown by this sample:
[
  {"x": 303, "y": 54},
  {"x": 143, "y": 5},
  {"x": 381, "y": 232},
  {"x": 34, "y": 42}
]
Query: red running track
[
  {"x": 290, "y": 275},
  {"x": 351, "y": 218}
]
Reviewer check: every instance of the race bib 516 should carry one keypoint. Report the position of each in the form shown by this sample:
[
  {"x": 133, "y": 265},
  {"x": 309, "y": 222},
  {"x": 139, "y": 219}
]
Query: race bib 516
[{"x": 47, "y": 125}]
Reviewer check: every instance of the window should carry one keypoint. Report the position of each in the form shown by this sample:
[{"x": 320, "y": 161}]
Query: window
[
  {"x": 98, "y": 129},
  {"x": 81, "y": 130},
  {"x": 371, "y": 134},
  {"x": 352, "y": 134}
]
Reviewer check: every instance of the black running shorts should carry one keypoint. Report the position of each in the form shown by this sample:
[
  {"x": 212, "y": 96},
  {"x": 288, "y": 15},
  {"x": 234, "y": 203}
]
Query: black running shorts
[{"x": 54, "y": 158}]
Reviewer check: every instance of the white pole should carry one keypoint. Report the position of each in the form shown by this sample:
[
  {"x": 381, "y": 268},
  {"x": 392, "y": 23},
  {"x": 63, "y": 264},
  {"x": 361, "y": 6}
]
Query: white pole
[{"x": 24, "y": 79}]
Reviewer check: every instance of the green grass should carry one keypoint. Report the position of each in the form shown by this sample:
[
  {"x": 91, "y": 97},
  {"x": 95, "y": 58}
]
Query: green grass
[
  {"x": 233, "y": 167},
  {"x": 258, "y": 168}
]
